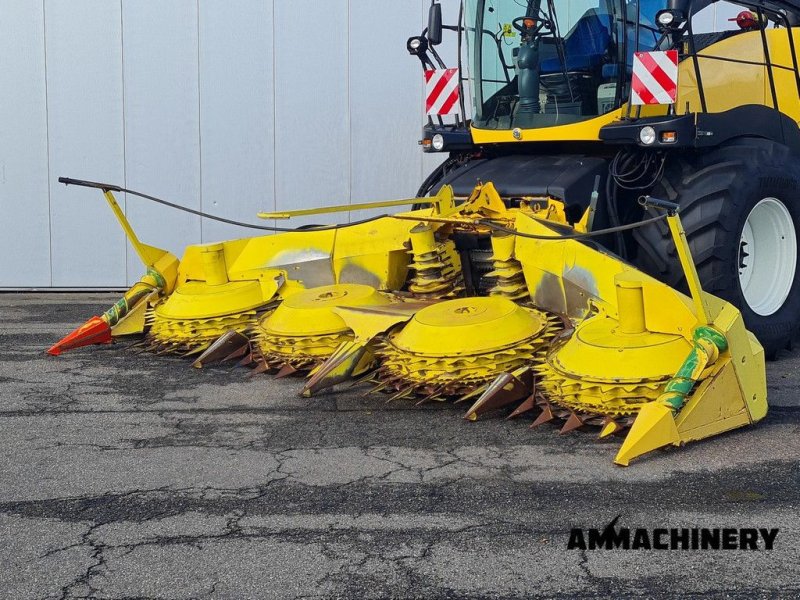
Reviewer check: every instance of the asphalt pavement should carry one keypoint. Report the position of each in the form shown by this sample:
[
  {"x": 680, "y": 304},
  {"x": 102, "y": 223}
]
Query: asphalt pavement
[{"x": 135, "y": 476}]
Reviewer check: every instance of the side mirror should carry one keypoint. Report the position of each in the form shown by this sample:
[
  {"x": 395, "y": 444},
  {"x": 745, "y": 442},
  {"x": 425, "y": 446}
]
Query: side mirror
[{"x": 435, "y": 24}]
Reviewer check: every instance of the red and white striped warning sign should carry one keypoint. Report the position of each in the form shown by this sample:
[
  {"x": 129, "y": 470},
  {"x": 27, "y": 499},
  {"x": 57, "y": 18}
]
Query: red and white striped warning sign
[
  {"x": 655, "y": 77},
  {"x": 441, "y": 91}
]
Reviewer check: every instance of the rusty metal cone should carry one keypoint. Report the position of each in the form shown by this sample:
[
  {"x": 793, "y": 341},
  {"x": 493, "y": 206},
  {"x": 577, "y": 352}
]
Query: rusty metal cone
[
  {"x": 544, "y": 417},
  {"x": 286, "y": 370},
  {"x": 261, "y": 367},
  {"x": 239, "y": 353},
  {"x": 504, "y": 390},
  {"x": 573, "y": 422},
  {"x": 528, "y": 405},
  {"x": 223, "y": 348},
  {"x": 337, "y": 369}
]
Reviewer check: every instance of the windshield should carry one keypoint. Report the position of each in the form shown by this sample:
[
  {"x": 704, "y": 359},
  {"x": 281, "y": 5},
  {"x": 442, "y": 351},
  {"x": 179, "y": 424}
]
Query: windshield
[{"x": 540, "y": 63}]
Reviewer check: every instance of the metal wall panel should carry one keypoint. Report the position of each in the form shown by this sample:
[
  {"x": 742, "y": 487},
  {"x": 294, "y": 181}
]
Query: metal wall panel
[
  {"x": 85, "y": 124},
  {"x": 312, "y": 116},
  {"x": 237, "y": 127},
  {"x": 162, "y": 123},
  {"x": 24, "y": 202},
  {"x": 230, "y": 107},
  {"x": 384, "y": 101}
]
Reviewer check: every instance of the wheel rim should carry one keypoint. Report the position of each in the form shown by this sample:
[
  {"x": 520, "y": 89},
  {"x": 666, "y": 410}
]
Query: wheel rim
[{"x": 767, "y": 256}]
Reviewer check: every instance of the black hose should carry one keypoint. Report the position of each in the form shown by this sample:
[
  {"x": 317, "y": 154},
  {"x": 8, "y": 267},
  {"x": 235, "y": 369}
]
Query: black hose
[
  {"x": 107, "y": 187},
  {"x": 630, "y": 169},
  {"x": 570, "y": 236},
  {"x": 613, "y": 214}
]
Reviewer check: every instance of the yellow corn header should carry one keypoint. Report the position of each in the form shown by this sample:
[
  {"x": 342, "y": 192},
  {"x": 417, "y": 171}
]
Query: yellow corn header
[{"x": 541, "y": 324}]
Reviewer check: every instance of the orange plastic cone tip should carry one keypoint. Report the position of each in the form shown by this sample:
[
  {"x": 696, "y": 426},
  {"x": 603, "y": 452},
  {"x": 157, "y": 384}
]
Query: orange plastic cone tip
[{"x": 94, "y": 331}]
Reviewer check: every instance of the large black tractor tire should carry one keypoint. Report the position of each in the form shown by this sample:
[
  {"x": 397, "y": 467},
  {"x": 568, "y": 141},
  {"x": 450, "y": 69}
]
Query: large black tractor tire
[
  {"x": 717, "y": 192},
  {"x": 432, "y": 183}
]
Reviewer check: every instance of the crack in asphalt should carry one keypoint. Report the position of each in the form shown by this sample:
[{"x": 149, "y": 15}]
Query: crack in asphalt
[
  {"x": 97, "y": 554},
  {"x": 172, "y": 481}
]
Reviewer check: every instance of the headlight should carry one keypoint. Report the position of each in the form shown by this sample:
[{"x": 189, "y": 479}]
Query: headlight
[
  {"x": 665, "y": 18},
  {"x": 647, "y": 135},
  {"x": 416, "y": 45},
  {"x": 670, "y": 19},
  {"x": 438, "y": 142}
]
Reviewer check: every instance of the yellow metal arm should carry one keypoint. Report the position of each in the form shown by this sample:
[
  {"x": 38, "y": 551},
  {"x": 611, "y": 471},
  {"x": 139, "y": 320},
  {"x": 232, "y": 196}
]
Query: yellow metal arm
[
  {"x": 689, "y": 270},
  {"x": 149, "y": 255},
  {"x": 288, "y": 214}
]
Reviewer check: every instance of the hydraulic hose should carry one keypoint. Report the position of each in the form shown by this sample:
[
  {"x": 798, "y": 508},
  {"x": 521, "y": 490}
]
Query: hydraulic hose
[
  {"x": 571, "y": 236},
  {"x": 107, "y": 187}
]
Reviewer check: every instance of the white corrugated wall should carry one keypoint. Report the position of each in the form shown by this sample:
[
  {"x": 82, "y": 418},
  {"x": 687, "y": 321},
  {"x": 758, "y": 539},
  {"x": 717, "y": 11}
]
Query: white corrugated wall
[{"x": 228, "y": 106}]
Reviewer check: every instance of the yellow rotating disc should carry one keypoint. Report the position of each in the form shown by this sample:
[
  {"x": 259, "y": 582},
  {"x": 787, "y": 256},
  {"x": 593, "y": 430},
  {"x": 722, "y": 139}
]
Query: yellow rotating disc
[
  {"x": 603, "y": 371},
  {"x": 304, "y": 330},
  {"x": 196, "y": 314},
  {"x": 453, "y": 347}
]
